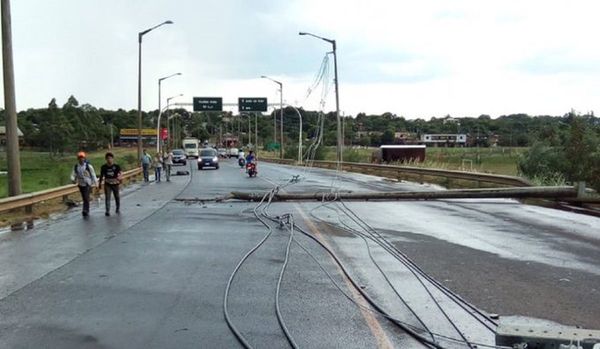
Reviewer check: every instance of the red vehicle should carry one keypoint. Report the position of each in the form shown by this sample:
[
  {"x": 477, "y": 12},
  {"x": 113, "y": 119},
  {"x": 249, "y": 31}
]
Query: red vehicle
[{"x": 251, "y": 169}]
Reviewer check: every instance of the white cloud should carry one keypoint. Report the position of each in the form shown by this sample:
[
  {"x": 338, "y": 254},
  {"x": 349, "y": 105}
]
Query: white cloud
[{"x": 412, "y": 58}]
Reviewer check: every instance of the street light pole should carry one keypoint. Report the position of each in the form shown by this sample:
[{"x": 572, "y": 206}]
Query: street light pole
[
  {"x": 299, "y": 135},
  {"x": 158, "y": 121},
  {"x": 249, "y": 129},
  {"x": 10, "y": 105},
  {"x": 158, "y": 141},
  {"x": 337, "y": 94},
  {"x": 140, "y": 35},
  {"x": 280, "y": 116}
]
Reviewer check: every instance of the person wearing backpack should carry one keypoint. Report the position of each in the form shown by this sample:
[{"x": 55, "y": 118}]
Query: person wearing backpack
[
  {"x": 84, "y": 176},
  {"x": 112, "y": 175}
]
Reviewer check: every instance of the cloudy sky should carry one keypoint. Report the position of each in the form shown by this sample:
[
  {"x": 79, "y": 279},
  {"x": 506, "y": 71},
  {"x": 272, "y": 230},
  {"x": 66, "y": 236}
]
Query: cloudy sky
[{"x": 413, "y": 58}]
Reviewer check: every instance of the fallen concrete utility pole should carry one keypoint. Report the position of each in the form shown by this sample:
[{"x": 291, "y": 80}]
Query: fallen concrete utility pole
[{"x": 493, "y": 193}]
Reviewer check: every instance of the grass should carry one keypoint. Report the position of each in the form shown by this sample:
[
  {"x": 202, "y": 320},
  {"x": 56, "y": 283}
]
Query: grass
[
  {"x": 499, "y": 160},
  {"x": 486, "y": 160},
  {"x": 41, "y": 170}
]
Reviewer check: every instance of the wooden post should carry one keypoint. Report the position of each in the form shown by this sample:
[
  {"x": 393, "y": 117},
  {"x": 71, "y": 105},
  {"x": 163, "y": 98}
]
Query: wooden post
[{"x": 580, "y": 189}]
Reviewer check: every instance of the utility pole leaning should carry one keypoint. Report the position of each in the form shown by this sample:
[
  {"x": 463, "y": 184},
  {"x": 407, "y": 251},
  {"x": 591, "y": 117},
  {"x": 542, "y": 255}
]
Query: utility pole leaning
[
  {"x": 12, "y": 136},
  {"x": 280, "y": 116},
  {"x": 340, "y": 145}
]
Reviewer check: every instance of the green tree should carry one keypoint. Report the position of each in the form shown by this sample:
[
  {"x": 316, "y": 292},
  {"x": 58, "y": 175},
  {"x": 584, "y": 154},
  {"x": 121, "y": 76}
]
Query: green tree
[{"x": 387, "y": 137}]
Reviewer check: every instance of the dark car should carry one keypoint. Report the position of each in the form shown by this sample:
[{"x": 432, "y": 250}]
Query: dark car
[
  {"x": 179, "y": 157},
  {"x": 208, "y": 158}
]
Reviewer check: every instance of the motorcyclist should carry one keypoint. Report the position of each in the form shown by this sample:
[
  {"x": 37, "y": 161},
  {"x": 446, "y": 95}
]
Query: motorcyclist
[
  {"x": 251, "y": 163},
  {"x": 250, "y": 158}
]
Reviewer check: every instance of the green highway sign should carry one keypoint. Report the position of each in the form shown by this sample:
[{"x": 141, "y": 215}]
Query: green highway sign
[
  {"x": 208, "y": 104},
  {"x": 252, "y": 104}
]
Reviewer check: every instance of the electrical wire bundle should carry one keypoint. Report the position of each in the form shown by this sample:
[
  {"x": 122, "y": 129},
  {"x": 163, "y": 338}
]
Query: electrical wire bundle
[
  {"x": 322, "y": 78},
  {"x": 370, "y": 235},
  {"x": 419, "y": 330}
]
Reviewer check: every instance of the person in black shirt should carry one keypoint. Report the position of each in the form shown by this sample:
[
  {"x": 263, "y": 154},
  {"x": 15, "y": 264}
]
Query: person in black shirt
[{"x": 112, "y": 175}]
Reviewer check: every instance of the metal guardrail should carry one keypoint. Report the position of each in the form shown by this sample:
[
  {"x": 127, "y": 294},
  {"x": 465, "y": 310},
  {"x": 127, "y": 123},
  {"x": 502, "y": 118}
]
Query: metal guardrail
[
  {"x": 28, "y": 200},
  {"x": 511, "y": 181}
]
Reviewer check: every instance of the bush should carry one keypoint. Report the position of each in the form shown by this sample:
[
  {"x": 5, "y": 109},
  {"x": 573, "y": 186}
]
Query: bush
[
  {"x": 319, "y": 154},
  {"x": 542, "y": 161},
  {"x": 291, "y": 152},
  {"x": 130, "y": 160},
  {"x": 577, "y": 160},
  {"x": 353, "y": 155}
]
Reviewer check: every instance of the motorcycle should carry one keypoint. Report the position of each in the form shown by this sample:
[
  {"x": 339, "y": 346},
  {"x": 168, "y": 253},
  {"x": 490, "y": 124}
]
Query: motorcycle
[
  {"x": 242, "y": 162},
  {"x": 251, "y": 169}
]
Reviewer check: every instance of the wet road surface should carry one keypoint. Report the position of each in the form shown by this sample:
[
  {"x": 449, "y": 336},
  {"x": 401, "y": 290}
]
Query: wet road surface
[{"x": 154, "y": 276}]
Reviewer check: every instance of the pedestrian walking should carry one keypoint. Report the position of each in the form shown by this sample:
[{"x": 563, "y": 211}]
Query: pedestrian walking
[
  {"x": 112, "y": 176},
  {"x": 84, "y": 176},
  {"x": 146, "y": 161},
  {"x": 158, "y": 161},
  {"x": 168, "y": 163}
]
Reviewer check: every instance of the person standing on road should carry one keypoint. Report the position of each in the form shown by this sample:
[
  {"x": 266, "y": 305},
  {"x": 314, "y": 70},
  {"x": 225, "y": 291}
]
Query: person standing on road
[
  {"x": 158, "y": 161},
  {"x": 112, "y": 175},
  {"x": 168, "y": 162},
  {"x": 146, "y": 160},
  {"x": 84, "y": 176}
]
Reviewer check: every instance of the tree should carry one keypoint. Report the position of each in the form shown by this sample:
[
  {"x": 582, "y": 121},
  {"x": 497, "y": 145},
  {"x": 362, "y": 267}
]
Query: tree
[
  {"x": 580, "y": 151},
  {"x": 55, "y": 132},
  {"x": 387, "y": 137},
  {"x": 576, "y": 159}
]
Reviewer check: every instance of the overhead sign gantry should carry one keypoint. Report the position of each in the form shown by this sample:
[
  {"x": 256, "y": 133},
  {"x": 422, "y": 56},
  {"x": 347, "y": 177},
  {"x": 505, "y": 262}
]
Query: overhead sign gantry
[
  {"x": 252, "y": 104},
  {"x": 245, "y": 104},
  {"x": 208, "y": 104}
]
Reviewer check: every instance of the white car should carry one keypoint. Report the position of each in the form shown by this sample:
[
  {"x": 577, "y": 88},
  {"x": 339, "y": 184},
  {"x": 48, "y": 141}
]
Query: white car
[{"x": 233, "y": 152}]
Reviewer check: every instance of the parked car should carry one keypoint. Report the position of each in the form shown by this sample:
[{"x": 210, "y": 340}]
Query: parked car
[
  {"x": 222, "y": 152},
  {"x": 208, "y": 158},
  {"x": 179, "y": 157}
]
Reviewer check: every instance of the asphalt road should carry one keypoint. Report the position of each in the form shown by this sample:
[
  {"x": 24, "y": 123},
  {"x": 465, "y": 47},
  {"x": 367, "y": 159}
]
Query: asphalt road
[{"x": 154, "y": 276}]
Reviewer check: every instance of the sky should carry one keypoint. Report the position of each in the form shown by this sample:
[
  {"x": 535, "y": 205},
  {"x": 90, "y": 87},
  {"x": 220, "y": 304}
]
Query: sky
[{"x": 412, "y": 58}]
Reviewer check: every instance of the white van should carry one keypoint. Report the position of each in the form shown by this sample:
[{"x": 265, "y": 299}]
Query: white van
[
  {"x": 233, "y": 152},
  {"x": 191, "y": 145}
]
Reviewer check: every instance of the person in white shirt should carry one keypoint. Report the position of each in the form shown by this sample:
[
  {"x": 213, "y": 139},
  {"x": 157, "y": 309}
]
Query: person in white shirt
[
  {"x": 84, "y": 176},
  {"x": 168, "y": 162},
  {"x": 158, "y": 162}
]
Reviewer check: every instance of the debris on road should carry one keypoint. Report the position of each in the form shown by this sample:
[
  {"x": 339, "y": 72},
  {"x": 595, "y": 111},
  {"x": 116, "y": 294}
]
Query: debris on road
[{"x": 488, "y": 193}]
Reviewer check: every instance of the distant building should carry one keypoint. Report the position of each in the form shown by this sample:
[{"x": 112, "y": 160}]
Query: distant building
[
  {"x": 399, "y": 153},
  {"x": 362, "y": 134},
  {"x": 3, "y": 136},
  {"x": 129, "y": 136},
  {"x": 405, "y": 137},
  {"x": 494, "y": 139},
  {"x": 445, "y": 139},
  {"x": 229, "y": 141}
]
